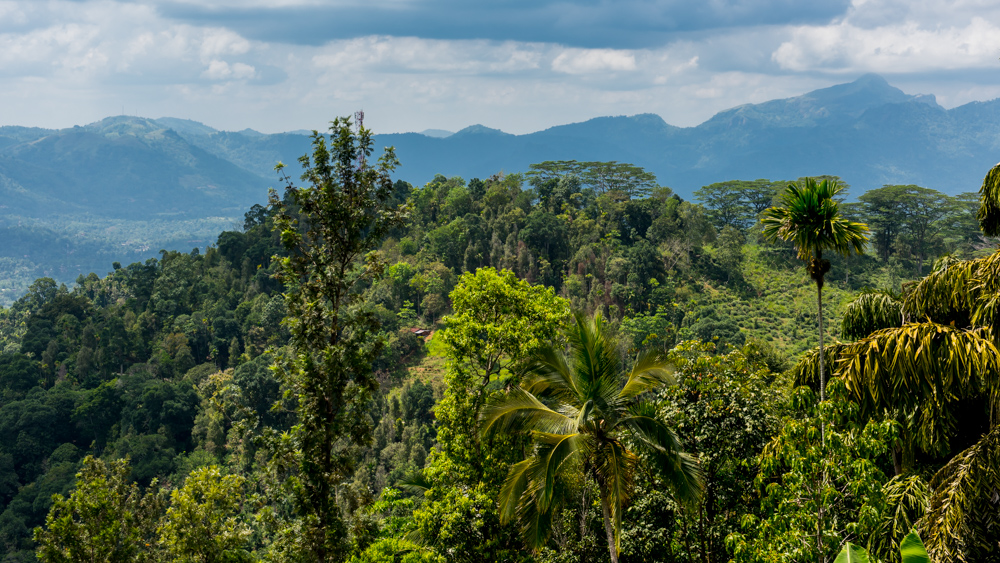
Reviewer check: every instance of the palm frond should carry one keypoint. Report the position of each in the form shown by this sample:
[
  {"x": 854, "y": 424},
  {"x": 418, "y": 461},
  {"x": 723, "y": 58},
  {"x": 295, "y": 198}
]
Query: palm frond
[
  {"x": 944, "y": 262},
  {"x": 554, "y": 452},
  {"x": 513, "y": 488},
  {"x": 518, "y": 501},
  {"x": 549, "y": 373},
  {"x": 806, "y": 371},
  {"x": 963, "y": 520},
  {"x": 989, "y": 203},
  {"x": 648, "y": 372},
  {"x": 920, "y": 365},
  {"x": 520, "y": 407},
  {"x": 536, "y": 525},
  {"x": 661, "y": 443},
  {"x": 415, "y": 483},
  {"x": 986, "y": 287},
  {"x": 810, "y": 219},
  {"x": 597, "y": 361},
  {"x": 615, "y": 472},
  {"x": 906, "y": 500},
  {"x": 945, "y": 296},
  {"x": 871, "y": 311}
]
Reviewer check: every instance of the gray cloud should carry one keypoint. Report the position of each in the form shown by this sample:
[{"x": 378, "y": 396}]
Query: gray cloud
[
  {"x": 592, "y": 23},
  {"x": 519, "y": 66}
]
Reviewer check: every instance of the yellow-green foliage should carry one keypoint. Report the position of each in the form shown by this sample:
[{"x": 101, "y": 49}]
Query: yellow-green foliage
[
  {"x": 962, "y": 522},
  {"x": 921, "y": 365},
  {"x": 202, "y": 523},
  {"x": 871, "y": 311}
]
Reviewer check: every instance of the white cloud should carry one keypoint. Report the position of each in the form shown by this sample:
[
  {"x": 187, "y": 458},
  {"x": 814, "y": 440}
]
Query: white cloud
[
  {"x": 220, "y": 41},
  {"x": 901, "y": 48},
  {"x": 384, "y": 54},
  {"x": 585, "y": 61},
  {"x": 221, "y": 70},
  {"x": 66, "y": 63},
  {"x": 11, "y": 14}
]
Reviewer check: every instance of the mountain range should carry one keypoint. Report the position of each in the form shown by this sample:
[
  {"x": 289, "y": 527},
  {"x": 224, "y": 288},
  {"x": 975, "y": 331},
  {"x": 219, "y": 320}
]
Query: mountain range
[
  {"x": 867, "y": 132},
  {"x": 74, "y": 200}
]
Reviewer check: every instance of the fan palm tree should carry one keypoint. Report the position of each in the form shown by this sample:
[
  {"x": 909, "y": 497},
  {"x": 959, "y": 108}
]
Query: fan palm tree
[
  {"x": 586, "y": 416},
  {"x": 810, "y": 219}
]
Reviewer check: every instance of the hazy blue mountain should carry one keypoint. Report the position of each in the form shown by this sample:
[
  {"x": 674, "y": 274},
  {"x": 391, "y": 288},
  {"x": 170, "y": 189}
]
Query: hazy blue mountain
[
  {"x": 867, "y": 132},
  {"x": 75, "y": 199},
  {"x": 127, "y": 167},
  {"x": 186, "y": 126},
  {"x": 438, "y": 133}
]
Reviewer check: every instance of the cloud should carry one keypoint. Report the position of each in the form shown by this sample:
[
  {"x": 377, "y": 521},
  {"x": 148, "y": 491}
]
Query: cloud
[
  {"x": 587, "y": 24},
  {"x": 221, "y": 70},
  {"x": 900, "y": 48},
  {"x": 518, "y": 65},
  {"x": 582, "y": 61},
  {"x": 385, "y": 54}
]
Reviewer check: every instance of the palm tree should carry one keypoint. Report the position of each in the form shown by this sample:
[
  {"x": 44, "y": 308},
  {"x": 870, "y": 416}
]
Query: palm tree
[
  {"x": 811, "y": 220},
  {"x": 942, "y": 375},
  {"x": 586, "y": 416}
]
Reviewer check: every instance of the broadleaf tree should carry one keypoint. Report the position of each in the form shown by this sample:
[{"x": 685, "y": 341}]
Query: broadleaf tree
[{"x": 330, "y": 228}]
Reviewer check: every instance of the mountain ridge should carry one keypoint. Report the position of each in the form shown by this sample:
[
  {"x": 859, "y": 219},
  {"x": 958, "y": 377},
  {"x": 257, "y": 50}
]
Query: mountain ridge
[{"x": 867, "y": 131}]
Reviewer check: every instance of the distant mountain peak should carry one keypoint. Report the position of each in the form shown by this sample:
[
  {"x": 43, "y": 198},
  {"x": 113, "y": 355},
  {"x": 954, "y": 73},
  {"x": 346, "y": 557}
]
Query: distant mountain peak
[
  {"x": 186, "y": 126},
  {"x": 250, "y": 132},
  {"x": 479, "y": 130},
  {"x": 437, "y": 133},
  {"x": 120, "y": 125},
  {"x": 841, "y": 101},
  {"x": 873, "y": 80},
  {"x": 868, "y": 89}
]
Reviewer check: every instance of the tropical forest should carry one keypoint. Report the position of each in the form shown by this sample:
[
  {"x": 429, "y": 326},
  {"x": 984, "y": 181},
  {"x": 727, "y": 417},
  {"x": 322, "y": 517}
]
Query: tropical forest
[{"x": 572, "y": 364}]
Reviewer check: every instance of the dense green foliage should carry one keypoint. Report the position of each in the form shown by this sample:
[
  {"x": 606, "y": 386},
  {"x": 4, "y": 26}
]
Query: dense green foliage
[{"x": 179, "y": 409}]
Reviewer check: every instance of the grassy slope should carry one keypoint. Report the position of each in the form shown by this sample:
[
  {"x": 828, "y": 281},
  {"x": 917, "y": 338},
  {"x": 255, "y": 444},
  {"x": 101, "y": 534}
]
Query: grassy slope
[{"x": 777, "y": 303}]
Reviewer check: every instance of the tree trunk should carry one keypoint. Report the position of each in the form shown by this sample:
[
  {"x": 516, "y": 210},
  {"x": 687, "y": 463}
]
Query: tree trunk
[
  {"x": 706, "y": 556},
  {"x": 608, "y": 525},
  {"x": 822, "y": 423},
  {"x": 822, "y": 356},
  {"x": 583, "y": 521}
]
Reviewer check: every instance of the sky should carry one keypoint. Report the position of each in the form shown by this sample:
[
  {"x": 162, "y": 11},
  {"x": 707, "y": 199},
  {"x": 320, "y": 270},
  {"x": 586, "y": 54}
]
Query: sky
[{"x": 515, "y": 65}]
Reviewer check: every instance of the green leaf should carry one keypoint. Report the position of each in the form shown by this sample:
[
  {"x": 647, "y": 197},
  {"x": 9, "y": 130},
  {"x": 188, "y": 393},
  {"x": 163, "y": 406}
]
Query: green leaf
[
  {"x": 852, "y": 554},
  {"x": 912, "y": 549}
]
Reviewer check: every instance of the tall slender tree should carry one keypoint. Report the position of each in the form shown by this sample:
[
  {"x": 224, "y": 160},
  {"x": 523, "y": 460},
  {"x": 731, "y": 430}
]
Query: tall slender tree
[
  {"x": 810, "y": 219},
  {"x": 329, "y": 227}
]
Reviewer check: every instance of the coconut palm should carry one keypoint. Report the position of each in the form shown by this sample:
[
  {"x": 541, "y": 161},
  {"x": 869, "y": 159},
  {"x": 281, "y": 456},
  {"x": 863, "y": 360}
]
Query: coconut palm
[
  {"x": 585, "y": 415},
  {"x": 810, "y": 219}
]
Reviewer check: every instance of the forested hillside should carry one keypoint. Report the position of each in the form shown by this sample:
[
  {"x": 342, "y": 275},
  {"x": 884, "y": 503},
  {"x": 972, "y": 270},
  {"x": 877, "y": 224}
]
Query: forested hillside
[
  {"x": 225, "y": 406},
  {"x": 122, "y": 188}
]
